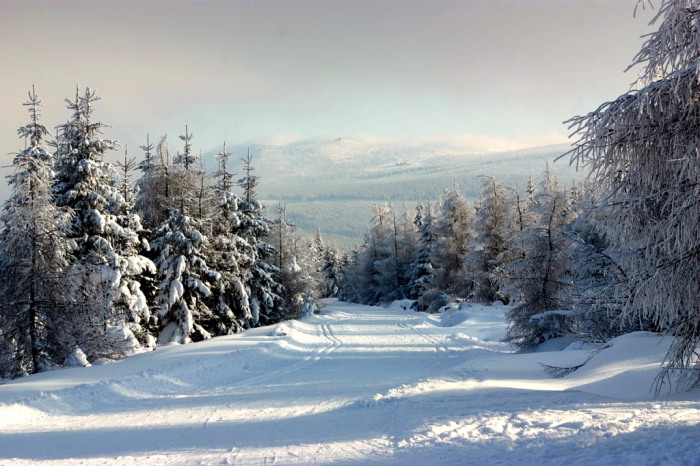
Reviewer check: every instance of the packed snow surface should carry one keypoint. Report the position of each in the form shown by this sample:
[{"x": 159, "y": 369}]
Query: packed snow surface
[{"x": 357, "y": 385}]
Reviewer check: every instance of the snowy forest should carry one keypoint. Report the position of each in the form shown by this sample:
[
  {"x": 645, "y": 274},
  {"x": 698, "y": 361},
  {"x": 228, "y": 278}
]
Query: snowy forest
[
  {"x": 94, "y": 266},
  {"x": 97, "y": 263}
]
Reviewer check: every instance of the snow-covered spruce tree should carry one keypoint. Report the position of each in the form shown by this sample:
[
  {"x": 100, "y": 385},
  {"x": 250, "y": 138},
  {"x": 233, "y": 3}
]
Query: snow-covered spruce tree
[
  {"x": 203, "y": 195},
  {"x": 148, "y": 204},
  {"x": 331, "y": 273},
  {"x": 35, "y": 329},
  {"x": 536, "y": 279},
  {"x": 453, "y": 238},
  {"x": 228, "y": 255},
  {"x": 184, "y": 281},
  {"x": 642, "y": 148},
  {"x": 421, "y": 268},
  {"x": 358, "y": 273},
  {"x": 184, "y": 183},
  {"x": 148, "y": 161},
  {"x": 315, "y": 261},
  {"x": 262, "y": 288},
  {"x": 405, "y": 248},
  {"x": 595, "y": 274},
  {"x": 108, "y": 236},
  {"x": 524, "y": 217},
  {"x": 186, "y": 159},
  {"x": 494, "y": 228},
  {"x": 377, "y": 274},
  {"x": 296, "y": 263},
  {"x": 138, "y": 291},
  {"x": 126, "y": 167},
  {"x": 192, "y": 186},
  {"x": 154, "y": 196},
  {"x": 349, "y": 290},
  {"x": 184, "y": 277},
  {"x": 522, "y": 205}
]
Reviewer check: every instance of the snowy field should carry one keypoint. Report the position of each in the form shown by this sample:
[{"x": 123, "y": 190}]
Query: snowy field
[{"x": 356, "y": 385}]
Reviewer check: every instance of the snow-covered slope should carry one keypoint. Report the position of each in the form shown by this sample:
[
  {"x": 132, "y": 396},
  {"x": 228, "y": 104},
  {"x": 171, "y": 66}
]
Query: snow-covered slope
[{"x": 355, "y": 385}]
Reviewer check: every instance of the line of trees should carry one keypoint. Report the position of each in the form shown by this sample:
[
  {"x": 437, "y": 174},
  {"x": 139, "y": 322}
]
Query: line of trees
[
  {"x": 536, "y": 250},
  {"x": 93, "y": 266}
]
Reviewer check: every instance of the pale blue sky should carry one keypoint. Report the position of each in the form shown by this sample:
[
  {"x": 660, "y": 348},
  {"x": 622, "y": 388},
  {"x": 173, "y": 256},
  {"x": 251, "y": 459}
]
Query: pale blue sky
[{"x": 488, "y": 74}]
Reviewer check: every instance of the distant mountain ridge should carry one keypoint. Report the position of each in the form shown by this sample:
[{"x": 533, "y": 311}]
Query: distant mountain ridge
[{"x": 332, "y": 185}]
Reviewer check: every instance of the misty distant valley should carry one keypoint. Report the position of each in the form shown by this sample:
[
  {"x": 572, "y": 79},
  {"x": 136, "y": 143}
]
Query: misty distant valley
[{"x": 332, "y": 186}]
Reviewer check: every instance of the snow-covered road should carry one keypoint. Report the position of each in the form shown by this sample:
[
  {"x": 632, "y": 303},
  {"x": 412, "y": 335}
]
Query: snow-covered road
[{"x": 355, "y": 385}]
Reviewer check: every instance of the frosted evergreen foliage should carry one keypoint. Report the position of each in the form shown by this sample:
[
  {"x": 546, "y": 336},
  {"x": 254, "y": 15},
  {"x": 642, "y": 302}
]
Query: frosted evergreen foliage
[
  {"x": 298, "y": 264},
  {"x": 595, "y": 274},
  {"x": 312, "y": 259},
  {"x": 387, "y": 265},
  {"x": 249, "y": 182},
  {"x": 34, "y": 264},
  {"x": 331, "y": 271},
  {"x": 675, "y": 45},
  {"x": 184, "y": 281},
  {"x": 186, "y": 159},
  {"x": 642, "y": 148},
  {"x": 108, "y": 236},
  {"x": 153, "y": 195},
  {"x": 147, "y": 163},
  {"x": 405, "y": 249},
  {"x": 260, "y": 284},
  {"x": 422, "y": 266},
  {"x": 230, "y": 301},
  {"x": 494, "y": 230},
  {"x": 229, "y": 254},
  {"x": 225, "y": 178},
  {"x": 186, "y": 182},
  {"x": 453, "y": 238},
  {"x": 379, "y": 276},
  {"x": 126, "y": 168},
  {"x": 536, "y": 279},
  {"x": 349, "y": 278}
]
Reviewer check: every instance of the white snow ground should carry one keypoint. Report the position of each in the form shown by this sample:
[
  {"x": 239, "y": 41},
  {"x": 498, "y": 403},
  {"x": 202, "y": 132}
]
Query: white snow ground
[{"x": 356, "y": 385}]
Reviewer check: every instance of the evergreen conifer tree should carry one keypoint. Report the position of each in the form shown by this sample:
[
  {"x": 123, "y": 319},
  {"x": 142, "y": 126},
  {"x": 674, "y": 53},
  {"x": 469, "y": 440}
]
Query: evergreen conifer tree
[
  {"x": 539, "y": 276},
  {"x": 262, "y": 288},
  {"x": 331, "y": 271},
  {"x": 184, "y": 278},
  {"x": 35, "y": 325},
  {"x": 230, "y": 301},
  {"x": 453, "y": 238},
  {"x": 108, "y": 236},
  {"x": 493, "y": 231},
  {"x": 153, "y": 193},
  {"x": 422, "y": 266}
]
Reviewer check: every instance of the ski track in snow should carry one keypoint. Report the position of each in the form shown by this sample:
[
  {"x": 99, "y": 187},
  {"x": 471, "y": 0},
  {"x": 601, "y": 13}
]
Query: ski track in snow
[{"x": 355, "y": 385}]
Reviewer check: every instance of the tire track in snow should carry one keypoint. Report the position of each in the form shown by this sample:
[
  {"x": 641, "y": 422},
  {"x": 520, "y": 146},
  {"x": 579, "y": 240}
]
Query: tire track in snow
[
  {"x": 404, "y": 414},
  {"x": 330, "y": 335},
  {"x": 305, "y": 361},
  {"x": 439, "y": 345}
]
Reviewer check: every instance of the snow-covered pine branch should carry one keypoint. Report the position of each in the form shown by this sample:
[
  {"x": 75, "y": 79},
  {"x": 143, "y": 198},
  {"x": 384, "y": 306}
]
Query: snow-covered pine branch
[{"x": 643, "y": 149}]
